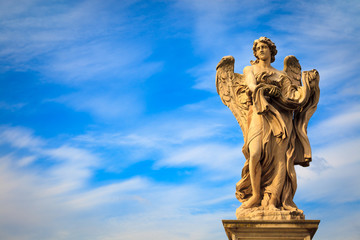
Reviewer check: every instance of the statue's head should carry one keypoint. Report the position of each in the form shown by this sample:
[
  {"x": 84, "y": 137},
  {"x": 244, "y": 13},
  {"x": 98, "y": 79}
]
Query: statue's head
[{"x": 271, "y": 46}]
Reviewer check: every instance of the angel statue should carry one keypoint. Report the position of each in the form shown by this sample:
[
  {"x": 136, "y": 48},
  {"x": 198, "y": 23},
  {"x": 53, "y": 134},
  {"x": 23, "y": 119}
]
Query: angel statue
[{"x": 273, "y": 109}]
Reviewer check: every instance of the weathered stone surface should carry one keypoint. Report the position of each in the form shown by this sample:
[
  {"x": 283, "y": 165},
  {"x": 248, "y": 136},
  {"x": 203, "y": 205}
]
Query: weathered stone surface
[
  {"x": 270, "y": 230},
  {"x": 261, "y": 214},
  {"x": 273, "y": 108}
]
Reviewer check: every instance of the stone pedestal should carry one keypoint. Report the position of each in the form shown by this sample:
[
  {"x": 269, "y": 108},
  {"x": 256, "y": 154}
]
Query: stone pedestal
[
  {"x": 270, "y": 229},
  {"x": 261, "y": 214}
]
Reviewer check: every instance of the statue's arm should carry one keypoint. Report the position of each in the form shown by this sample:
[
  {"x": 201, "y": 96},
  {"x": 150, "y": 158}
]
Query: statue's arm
[
  {"x": 250, "y": 78},
  {"x": 269, "y": 90}
]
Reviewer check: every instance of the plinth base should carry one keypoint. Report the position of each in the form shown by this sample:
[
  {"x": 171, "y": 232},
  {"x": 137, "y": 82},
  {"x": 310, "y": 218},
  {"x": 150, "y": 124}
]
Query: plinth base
[
  {"x": 270, "y": 229},
  {"x": 261, "y": 214}
]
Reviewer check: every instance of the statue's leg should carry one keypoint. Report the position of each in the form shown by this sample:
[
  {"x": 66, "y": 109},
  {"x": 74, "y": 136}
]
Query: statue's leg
[
  {"x": 255, "y": 172},
  {"x": 277, "y": 184}
]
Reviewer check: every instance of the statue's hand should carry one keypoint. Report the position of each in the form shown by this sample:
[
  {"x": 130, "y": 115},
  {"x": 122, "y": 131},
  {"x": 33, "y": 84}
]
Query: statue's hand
[
  {"x": 272, "y": 91},
  {"x": 313, "y": 78}
]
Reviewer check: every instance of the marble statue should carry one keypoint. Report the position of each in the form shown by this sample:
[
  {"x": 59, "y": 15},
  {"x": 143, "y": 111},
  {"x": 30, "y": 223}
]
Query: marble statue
[{"x": 273, "y": 109}]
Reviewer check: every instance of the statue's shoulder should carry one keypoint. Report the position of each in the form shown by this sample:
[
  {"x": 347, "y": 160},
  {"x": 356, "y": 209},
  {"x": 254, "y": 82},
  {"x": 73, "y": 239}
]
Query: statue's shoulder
[{"x": 248, "y": 70}]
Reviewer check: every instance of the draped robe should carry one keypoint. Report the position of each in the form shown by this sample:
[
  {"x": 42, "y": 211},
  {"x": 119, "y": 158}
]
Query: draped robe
[{"x": 279, "y": 123}]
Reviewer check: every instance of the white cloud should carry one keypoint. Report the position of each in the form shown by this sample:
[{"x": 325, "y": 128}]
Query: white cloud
[
  {"x": 129, "y": 208},
  {"x": 332, "y": 179},
  {"x": 101, "y": 61},
  {"x": 342, "y": 125},
  {"x": 306, "y": 29},
  {"x": 219, "y": 158},
  {"x": 159, "y": 134},
  {"x": 104, "y": 104},
  {"x": 215, "y": 22},
  {"x": 127, "y": 190},
  {"x": 214, "y": 25},
  {"x": 340, "y": 226},
  {"x": 89, "y": 46},
  {"x": 312, "y": 19},
  {"x": 73, "y": 170},
  {"x": 70, "y": 45},
  {"x": 186, "y": 137},
  {"x": 48, "y": 192},
  {"x": 70, "y": 167},
  {"x": 27, "y": 160},
  {"x": 19, "y": 137}
]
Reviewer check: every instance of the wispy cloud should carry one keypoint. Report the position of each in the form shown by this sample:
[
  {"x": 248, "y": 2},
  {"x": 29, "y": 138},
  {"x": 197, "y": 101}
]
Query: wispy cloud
[
  {"x": 45, "y": 204},
  {"x": 220, "y": 159},
  {"x": 19, "y": 137},
  {"x": 104, "y": 104},
  {"x": 177, "y": 139},
  {"x": 65, "y": 44},
  {"x": 170, "y": 162},
  {"x": 333, "y": 175},
  {"x": 215, "y": 33},
  {"x": 66, "y": 39},
  {"x": 341, "y": 125},
  {"x": 69, "y": 167}
]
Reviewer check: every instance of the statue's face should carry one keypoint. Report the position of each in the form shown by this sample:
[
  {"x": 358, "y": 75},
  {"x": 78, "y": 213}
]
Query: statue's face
[{"x": 263, "y": 51}]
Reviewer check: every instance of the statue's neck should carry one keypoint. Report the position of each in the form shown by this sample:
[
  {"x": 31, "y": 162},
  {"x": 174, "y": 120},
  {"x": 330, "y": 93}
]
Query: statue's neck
[{"x": 264, "y": 64}]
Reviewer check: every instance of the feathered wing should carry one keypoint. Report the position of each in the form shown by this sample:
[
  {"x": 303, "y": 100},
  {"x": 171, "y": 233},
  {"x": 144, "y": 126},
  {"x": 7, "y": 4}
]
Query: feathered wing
[
  {"x": 293, "y": 69},
  {"x": 233, "y": 91}
]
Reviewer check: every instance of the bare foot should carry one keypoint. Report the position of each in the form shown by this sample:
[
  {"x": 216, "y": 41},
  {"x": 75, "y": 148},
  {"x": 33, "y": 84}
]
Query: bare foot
[
  {"x": 272, "y": 207},
  {"x": 253, "y": 201},
  {"x": 272, "y": 203},
  {"x": 295, "y": 210}
]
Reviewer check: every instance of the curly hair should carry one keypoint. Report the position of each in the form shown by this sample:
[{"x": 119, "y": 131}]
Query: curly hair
[{"x": 271, "y": 46}]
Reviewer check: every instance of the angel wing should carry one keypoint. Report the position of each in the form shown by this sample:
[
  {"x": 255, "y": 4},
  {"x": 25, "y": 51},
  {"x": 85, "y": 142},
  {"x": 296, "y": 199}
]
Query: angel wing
[
  {"x": 233, "y": 91},
  {"x": 293, "y": 69}
]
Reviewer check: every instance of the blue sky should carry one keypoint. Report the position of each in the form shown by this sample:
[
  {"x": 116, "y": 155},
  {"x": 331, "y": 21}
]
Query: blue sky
[{"x": 111, "y": 127}]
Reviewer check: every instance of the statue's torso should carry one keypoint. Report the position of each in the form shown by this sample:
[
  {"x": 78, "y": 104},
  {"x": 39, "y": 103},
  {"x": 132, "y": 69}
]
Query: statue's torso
[{"x": 270, "y": 76}]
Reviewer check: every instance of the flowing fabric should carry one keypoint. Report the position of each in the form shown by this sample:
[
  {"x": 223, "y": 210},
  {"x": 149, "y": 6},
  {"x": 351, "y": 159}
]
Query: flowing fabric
[{"x": 280, "y": 124}]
